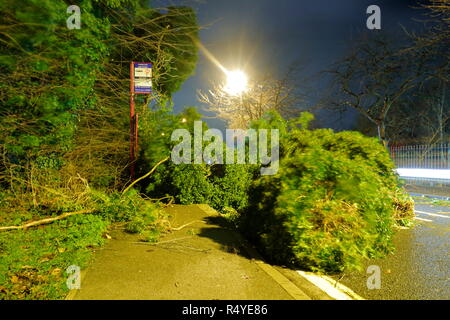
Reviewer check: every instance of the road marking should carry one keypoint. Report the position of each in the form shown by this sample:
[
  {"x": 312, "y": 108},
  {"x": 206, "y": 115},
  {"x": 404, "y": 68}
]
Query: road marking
[
  {"x": 432, "y": 214},
  {"x": 332, "y": 288},
  {"x": 422, "y": 219},
  {"x": 343, "y": 288}
]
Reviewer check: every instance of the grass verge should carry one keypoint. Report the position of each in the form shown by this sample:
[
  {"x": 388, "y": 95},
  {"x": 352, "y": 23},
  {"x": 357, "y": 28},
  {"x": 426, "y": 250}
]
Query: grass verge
[{"x": 34, "y": 261}]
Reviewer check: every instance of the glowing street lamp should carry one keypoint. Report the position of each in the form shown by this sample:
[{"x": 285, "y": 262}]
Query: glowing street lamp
[{"x": 236, "y": 82}]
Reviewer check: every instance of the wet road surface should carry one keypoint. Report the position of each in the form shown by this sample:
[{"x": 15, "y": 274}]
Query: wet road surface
[{"x": 419, "y": 269}]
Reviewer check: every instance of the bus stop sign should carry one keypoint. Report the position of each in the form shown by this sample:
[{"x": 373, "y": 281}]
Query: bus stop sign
[{"x": 141, "y": 78}]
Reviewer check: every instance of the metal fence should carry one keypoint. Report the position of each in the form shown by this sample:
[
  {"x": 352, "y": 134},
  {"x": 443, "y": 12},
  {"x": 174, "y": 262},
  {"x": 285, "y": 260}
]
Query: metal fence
[{"x": 435, "y": 156}]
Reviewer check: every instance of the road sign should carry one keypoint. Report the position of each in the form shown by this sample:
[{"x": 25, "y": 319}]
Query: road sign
[{"x": 141, "y": 78}]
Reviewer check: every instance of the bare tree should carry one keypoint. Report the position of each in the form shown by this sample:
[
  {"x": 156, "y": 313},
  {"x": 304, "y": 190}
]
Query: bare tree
[
  {"x": 439, "y": 113},
  {"x": 434, "y": 46},
  {"x": 428, "y": 108},
  {"x": 263, "y": 94},
  {"x": 373, "y": 78},
  {"x": 438, "y": 13},
  {"x": 420, "y": 117}
]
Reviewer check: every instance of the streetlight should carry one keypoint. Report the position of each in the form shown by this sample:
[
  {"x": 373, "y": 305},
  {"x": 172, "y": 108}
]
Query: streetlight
[{"x": 236, "y": 82}]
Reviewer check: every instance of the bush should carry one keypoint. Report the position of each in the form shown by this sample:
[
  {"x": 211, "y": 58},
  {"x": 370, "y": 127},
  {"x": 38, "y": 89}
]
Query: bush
[
  {"x": 218, "y": 185},
  {"x": 330, "y": 205},
  {"x": 231, "y": 186},
  {"x": 231, "y": 216}
]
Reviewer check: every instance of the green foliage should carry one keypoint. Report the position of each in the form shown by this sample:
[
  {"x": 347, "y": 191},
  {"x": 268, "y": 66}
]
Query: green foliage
[
  {"x": 179, "y": 49},
  {"x": 218, "y": 185},
  {"x": 151, "y": 235},
  {"x": 231, "y": 186},
  {"x": 62, "y": 130},
  {"x": 136, "y": 225},
  {"x": 330, "y": 205},
  {"x": 129, "y": 207},
  {"x": 56, "y": 83},
  {"x": 141, "y": 216},
  {"x": 144, "y": 220},
  {"x": 33, "y": 262},
  {"x": 190, "y": 183},
  {"x": 231, "y": 216},
  {"x": 49, "y": 79}
]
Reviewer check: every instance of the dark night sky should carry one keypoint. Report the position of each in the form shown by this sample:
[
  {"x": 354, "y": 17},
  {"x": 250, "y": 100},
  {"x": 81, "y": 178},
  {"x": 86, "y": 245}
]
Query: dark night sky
[{"x": 269, "y": 35}]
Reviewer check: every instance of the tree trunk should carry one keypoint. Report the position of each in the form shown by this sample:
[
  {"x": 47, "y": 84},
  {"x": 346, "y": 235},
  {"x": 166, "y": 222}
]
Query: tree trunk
[{"x": 382, "y": 132}]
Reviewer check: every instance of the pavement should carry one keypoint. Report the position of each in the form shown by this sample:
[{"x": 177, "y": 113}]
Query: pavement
[
  {"x": 419, "y": 269},
  {"x": 204, "y": 260}
]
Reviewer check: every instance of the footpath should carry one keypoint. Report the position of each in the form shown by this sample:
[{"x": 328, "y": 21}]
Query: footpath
[{"x": 204, "y": 260}]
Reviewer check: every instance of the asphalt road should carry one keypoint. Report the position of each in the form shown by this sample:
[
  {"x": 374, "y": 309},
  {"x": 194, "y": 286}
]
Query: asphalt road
[{"x": 419, "y": 268}]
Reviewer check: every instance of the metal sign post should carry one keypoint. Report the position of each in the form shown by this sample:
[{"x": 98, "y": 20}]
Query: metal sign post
[{"x": 140, "y": 83}]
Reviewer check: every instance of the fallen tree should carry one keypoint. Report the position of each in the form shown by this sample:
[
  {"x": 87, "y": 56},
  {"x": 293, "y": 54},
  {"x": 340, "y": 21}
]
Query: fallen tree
[{"x": 334, "y": 202}]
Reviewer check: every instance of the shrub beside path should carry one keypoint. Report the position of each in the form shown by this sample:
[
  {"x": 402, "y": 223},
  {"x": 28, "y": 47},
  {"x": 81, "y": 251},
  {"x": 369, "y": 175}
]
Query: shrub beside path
[{"x": 204, "y": 260}]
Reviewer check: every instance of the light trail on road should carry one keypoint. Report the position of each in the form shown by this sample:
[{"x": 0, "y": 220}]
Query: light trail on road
[
  {"x": 424, "y": 173},
  {"x": 422, "y": 219},
  {"x": 432, "y": 214}
]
